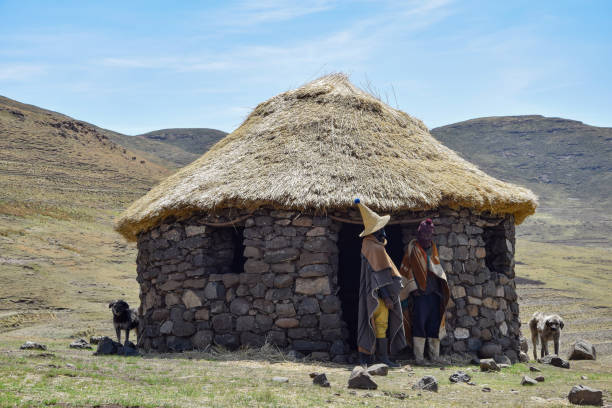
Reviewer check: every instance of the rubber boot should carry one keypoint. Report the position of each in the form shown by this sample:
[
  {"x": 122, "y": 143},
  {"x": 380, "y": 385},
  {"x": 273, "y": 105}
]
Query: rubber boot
[
  {"x": 418, "y": 346},
  {"x": 383, "y": 353},
  {"x": 434, "y": 349},
  {"x": 364, "y": 359}
]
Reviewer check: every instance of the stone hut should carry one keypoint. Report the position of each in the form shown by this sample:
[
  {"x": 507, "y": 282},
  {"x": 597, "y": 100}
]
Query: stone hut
[{"x": 257, "y": 241}]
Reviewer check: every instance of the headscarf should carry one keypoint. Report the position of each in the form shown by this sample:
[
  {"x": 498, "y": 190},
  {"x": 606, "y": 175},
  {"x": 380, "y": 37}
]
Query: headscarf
[{"x": 425, "y": 233}]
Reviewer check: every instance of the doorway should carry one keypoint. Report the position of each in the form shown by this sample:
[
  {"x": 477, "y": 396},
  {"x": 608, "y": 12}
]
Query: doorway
[{"x": 349, "y": 270}]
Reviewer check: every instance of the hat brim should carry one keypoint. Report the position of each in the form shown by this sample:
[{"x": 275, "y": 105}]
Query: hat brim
[{"x": 380, "y": 223}]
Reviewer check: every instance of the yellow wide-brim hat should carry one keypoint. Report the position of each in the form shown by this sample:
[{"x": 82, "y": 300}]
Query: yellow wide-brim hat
[{"x": 371, "y": 221}]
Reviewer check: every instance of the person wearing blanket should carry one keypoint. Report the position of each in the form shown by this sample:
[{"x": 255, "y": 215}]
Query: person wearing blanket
[
  {"x": 380, "y": 322},
  {"x": 425, "y": 283}
]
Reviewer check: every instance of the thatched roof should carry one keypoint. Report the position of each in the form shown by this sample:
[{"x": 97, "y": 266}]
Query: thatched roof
[{"x": 317, "y": 148}]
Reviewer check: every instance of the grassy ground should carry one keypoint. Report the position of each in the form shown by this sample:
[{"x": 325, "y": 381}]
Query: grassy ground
[{"x": 59, "y": 376}]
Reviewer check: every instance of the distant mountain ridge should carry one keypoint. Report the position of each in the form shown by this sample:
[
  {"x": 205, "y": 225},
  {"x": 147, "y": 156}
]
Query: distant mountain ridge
[
  {"x": 192, "y": 140},
  {"x": 566, "y": 162}
]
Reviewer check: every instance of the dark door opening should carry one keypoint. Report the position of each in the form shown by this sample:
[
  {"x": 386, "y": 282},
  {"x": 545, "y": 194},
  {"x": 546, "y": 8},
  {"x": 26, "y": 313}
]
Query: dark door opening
[
  {"x": 349, "y": 270},
  {"x": 238, "y": 260}
]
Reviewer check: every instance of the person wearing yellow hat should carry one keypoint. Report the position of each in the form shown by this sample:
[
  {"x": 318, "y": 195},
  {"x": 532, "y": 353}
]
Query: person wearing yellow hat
[{"x": 380, "y": 323}]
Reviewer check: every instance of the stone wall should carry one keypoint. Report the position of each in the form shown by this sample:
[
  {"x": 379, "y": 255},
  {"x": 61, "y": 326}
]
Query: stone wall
[{"x": 287, "y": 294}]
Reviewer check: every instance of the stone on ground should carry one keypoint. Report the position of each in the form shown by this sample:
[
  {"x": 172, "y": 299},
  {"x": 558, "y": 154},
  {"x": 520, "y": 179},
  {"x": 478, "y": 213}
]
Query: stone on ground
[
  {"x": 460, "y": 376},
  {"x": 555, "y": 361},
  {"x": 528, "y": 381},
  {"x": 360, "y": 379},
  {"x": 486, "y": 389},
  {"x": 107, "y": 346},
  {"x": 488, "y": 364},
  {"x": 378, "y": 369},
  {"x": 540, "y": 378},
  {"x": 534, "y": 369},
  {"x": 30, "y": 345},
  {"x": 582, "y": 350},
  {"x": 80, "y": 344},
  {"x": 321, "y": 380},
  {"x": 95, "y": 339},
  {"x": 427, "y": 383},
  {"x": 582, "y": 395},
  {"x": 280, "y": 379},
  {"x": 523, "y": 357}
]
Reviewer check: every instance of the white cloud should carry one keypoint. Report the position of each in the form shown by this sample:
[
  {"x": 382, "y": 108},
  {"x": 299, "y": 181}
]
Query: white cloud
[{"x": 20, "y": 72}]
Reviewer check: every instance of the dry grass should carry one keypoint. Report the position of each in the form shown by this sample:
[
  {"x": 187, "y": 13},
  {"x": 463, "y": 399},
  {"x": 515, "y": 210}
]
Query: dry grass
[
  {"x": 318, "y": 147},
  {"x": 222, "y": 379}
]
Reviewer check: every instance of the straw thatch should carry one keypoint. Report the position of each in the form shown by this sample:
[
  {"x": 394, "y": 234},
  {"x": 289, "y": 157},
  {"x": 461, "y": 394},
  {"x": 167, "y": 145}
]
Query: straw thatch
[{"x": 317, "y": 148}]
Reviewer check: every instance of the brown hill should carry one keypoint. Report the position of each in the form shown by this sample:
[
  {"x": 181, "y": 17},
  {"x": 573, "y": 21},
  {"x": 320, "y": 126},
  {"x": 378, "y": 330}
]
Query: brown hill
[
  {"x": 46, "y": 156},
  {"x": 63, "y": 181},
  {"x": 566, "y": 162}
]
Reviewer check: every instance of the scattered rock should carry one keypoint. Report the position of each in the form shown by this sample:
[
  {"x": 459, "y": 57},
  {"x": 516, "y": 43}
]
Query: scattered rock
[
  {"x": 360, "y": 379},
  {"x": 30, "y": 345},
  {"x": 584, "y": 377},
  {"x": 555, "y": 361},
  {"x": 534, "y": 369},
  {"x": 523, "y": 357},
  {"x": 428, "y": 383},
  {"x": 582, "y": 395},
  {"x": 129, "y": 349},
  {"x": 488, "y": 364},
  {"x": 95, "y": 339},
  {"x": 540, "y": 378},
  {"x": 471, "y": 383},
  {"x": 460, "y": 376},
  {"x": 321, "y": 380},
  {"x": 582, "y": 350},
  {"x": 528, "y": 381},
  {"x": 313, "y": 374},
  {"x": 80, "y": 344},
  {"x": 378, "y": 369},
  {"x": 71, "y": 366},
  {"x": 108, "y": 346},
  {"x": 280, "y": 379},
  {"x": 486, "y": 389}
]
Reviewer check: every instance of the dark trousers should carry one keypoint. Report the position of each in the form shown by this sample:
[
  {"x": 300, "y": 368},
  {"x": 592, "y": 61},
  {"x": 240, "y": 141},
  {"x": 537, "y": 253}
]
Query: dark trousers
[{"x": 426, "y": 317}]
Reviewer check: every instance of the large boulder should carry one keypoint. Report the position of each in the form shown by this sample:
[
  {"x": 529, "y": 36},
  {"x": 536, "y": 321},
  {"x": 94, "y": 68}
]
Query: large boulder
[
  {"x": 107, "y": 346},
  {"x": 582, "y": 395},
  {"x": 360, "y": 379},
  {"x": 582, "y": 350}
]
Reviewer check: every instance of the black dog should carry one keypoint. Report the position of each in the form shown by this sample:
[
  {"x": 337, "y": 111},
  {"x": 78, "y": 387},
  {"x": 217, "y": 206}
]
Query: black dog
[{"x": 124, "y": 318}]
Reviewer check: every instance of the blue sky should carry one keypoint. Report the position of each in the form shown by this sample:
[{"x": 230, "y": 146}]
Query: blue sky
[{"x": 140, "y": 66}]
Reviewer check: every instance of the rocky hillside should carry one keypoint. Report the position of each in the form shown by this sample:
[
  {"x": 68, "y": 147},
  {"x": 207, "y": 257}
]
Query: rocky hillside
[
  {"x": 63, "y": 182},
  {"x": 192, "y": 140},
  {"x": 566, "y": 162},
  {"x": 47, "y": 157}
]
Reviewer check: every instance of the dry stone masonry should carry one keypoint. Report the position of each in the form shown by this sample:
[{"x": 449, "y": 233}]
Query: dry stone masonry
[{"x": 274, "y": 277}]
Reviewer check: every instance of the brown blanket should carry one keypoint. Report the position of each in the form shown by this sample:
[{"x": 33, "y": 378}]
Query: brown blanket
[
  {"x": 415, "y": 271},
  {"x": 378, "y": 270}
]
